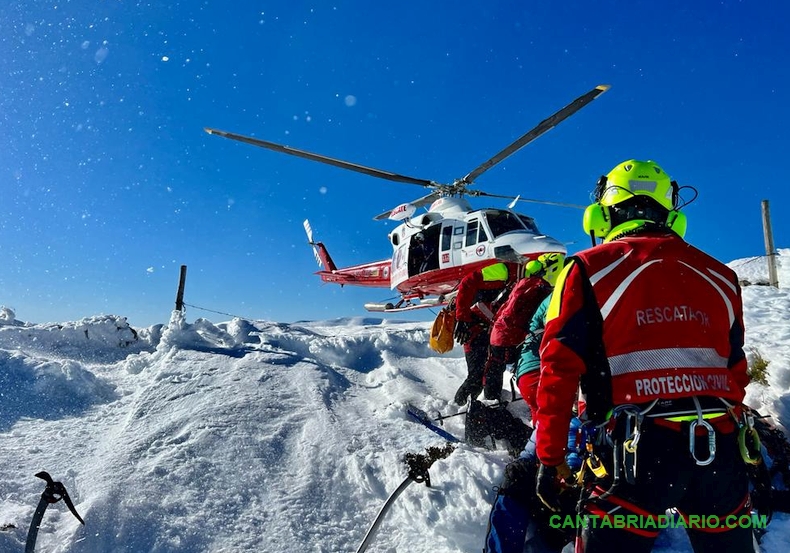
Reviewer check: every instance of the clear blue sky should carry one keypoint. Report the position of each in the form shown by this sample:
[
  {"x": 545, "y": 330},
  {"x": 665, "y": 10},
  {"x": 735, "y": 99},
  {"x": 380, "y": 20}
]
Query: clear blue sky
[{"x": 109, "y": 183}]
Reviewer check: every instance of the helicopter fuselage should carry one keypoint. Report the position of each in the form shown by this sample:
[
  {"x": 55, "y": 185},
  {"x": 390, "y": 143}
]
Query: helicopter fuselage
[{"x": 434, "y": 251}]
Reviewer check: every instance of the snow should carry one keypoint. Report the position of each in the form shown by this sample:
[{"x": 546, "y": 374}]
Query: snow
[{"x": 264, "y": 436}]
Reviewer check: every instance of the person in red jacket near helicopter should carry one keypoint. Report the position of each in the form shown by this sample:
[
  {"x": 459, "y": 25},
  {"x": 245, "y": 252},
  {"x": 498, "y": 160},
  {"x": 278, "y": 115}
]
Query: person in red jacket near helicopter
[
  {"x": 512, "y": 320},
  {"x": 652, "y": 329},
  {"x": 474, "y": 305}
]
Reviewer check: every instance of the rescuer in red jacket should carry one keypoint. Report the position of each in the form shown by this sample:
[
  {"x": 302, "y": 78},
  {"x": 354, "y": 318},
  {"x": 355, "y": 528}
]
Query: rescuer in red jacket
[
  {"x": 480, "y": 288},
  {"x": 652, "y": 329},
  {"x": 511, "y": 323}
]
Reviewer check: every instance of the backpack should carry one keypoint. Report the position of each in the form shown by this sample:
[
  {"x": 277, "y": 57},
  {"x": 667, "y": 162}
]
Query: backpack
[
  {"x": 441, "y": 339},
  {"x": 497, "y": 422}
]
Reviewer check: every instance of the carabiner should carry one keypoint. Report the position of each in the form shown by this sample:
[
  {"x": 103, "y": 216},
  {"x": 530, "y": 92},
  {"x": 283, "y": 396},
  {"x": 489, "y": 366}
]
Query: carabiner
[
  {"x": 711, "y": 441},
  {"x": 748, "y": 428}
]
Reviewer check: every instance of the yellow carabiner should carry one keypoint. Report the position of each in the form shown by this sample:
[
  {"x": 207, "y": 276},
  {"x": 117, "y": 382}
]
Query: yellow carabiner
[
  {"x": 755, "y": 444},
  {"x": 596, "y": 466}
]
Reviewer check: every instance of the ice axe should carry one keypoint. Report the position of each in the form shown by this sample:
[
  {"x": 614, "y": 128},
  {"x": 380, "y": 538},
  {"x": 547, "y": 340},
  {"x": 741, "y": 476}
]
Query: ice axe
[
  {"x": 54, "y": 492},
  {"x": 418, "y": 465}
]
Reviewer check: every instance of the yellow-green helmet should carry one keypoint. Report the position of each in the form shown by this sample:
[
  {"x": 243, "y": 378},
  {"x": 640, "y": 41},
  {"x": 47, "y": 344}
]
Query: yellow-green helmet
[
  {"x": 633, "y": 194},
  {"x": 547, "y": 266},
  {"x": 637, "y": 178}
]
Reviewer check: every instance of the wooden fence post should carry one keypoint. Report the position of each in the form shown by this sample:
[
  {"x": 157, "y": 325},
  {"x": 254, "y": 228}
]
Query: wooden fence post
[
  {"x": 181, "y": 283},
  {"x": 773, "y": 279}
]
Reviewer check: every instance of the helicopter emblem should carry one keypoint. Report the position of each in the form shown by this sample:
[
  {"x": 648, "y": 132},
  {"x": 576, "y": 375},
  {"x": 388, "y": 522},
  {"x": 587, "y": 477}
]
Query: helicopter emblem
[{"x": 433, "y": 251}]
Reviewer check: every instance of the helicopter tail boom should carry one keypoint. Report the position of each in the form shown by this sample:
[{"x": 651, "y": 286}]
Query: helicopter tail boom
[{"x": 374, "y": 275}]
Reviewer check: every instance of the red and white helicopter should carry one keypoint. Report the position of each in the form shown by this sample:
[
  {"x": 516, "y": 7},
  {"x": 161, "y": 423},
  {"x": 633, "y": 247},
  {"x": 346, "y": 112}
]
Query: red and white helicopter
[{"x": 433, "y": 251}]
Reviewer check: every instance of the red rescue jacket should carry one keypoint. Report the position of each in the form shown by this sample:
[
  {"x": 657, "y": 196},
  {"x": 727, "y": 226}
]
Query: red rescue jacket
[
  {"x": 512, "y": 320},
  {"x": 476, "y": 287},
  {"x": 635, "y": 319}
]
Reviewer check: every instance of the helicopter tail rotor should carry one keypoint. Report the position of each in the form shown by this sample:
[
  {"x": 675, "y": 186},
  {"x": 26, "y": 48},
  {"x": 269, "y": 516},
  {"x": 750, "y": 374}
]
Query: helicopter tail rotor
[{"x": 309, "y": 230}]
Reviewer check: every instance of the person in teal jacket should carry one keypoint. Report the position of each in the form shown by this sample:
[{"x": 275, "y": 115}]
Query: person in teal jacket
[{"x": 528, "y": 366}]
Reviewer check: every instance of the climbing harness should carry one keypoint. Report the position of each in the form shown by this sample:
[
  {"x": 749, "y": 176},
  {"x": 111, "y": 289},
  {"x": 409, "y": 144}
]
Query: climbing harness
[{"x": 624, "y": 450}]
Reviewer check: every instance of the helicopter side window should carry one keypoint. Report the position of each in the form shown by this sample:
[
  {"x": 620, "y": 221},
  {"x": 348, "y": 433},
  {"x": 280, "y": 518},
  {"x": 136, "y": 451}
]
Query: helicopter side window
[
  {"x": 447, "y": 238},
  {"x": 459, "y": 242},
  {"x": 471, "y": 233}
]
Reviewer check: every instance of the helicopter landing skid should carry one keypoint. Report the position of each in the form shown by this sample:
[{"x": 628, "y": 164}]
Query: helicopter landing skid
[{"x": 404, "y": 305}]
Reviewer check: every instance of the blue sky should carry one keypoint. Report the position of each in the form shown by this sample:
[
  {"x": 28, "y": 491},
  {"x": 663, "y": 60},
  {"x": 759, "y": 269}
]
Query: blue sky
[{"x": 109, "y": 183}]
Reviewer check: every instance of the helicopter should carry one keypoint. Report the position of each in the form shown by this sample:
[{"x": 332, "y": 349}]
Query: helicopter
[{"x": 434, "y": 250}]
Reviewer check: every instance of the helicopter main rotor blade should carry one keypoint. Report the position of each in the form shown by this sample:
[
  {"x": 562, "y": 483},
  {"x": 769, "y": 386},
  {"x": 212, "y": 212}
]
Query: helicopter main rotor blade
[
  {"x": 322, "y": 159},
  {"x": 542, "y": 127},
  {"x": 520, "y": 199}
]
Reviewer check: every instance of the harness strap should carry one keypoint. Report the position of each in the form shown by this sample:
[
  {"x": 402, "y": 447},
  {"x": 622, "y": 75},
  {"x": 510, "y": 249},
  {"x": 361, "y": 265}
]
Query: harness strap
[
  {"x": 597, "y": 511},
  {"x": 594, "y": 508},
  {"x": 721, "y": 525}
]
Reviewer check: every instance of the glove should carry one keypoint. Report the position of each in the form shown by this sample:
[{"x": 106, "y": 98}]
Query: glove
[
  {"x": 463, "y": 332},
  {"x": 468, "y": 388},
  {"x": 518, "y": 482},
  {"x": 548, "y": 487}
]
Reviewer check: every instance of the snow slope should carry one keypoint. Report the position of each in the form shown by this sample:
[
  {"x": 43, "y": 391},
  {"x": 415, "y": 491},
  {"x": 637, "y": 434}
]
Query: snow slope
[{"x": 263, "y": 436}]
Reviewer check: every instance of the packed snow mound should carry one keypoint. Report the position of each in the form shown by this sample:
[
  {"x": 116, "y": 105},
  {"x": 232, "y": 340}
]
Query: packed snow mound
[
  {"x": 106, "y": 336},
  {"x": 236, "y": 436},
  {"x": 8, "y": 316},
  {"x": 38, "y": 388}
]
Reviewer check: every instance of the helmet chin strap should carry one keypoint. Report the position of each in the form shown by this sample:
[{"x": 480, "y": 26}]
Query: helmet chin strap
[{"x": 646, "y": 226}]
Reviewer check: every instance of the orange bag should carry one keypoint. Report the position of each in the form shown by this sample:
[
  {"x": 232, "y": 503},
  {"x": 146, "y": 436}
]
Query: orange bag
[{"x": 441, "y": 340}]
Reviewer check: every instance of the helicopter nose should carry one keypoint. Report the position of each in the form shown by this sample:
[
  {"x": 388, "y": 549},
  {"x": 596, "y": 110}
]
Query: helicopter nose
[{"x": 528, "y": 247}]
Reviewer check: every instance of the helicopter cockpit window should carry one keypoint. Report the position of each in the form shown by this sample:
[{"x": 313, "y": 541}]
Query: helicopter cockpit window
[
  {"x": 501, "y": 222},
  {"x": 529, "y": 222},
  {"x": 471, "y": 233}
]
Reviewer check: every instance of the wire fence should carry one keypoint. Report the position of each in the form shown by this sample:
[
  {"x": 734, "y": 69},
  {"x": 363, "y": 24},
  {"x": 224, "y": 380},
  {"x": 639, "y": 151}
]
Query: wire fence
[
  {"x": 220, "y": 312},
  {"x": 759, "y": 276}
]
